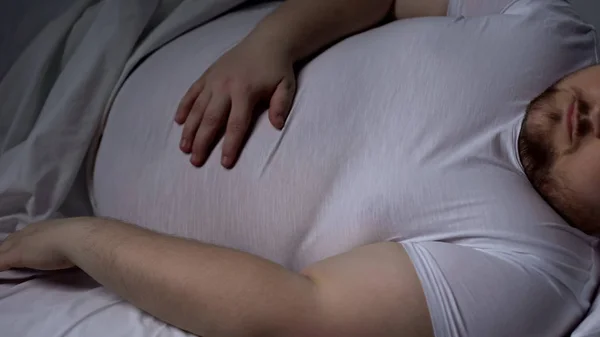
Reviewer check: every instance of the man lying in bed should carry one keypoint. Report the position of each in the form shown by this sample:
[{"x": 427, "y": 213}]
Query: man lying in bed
[{"x": 395, "y": 202}]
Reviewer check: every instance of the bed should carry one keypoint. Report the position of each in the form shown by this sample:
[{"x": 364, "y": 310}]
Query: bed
[{"x": 70, "y": 303}]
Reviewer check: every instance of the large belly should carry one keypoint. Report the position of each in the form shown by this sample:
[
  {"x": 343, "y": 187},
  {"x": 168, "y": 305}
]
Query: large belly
[
  {"x": 265, "y": 205},
  {"x": 315, "y": 189}
]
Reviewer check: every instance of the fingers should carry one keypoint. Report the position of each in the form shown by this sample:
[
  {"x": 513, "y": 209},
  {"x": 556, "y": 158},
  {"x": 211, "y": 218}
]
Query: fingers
[
  {"x": 281, "y": 102},
  {"x": 193, "y": 121},
  {"x": 213, "y": 120},
  {"x": 237, "y": 127},
  {"x": 188, "y": 100},
  {"x": 204, "y": 113}
]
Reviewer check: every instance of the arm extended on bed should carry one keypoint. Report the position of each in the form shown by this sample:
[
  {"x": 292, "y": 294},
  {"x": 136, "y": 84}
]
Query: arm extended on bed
[{"x": 212, "y": 291}]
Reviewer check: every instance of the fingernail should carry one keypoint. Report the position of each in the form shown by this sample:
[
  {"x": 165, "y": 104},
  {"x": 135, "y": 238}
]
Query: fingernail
[
  {"x": 226, "y": 161},
  {"x": 280, "y": 121},
  {"x": 184, "y": 143},
  {"x": 195, "y": 160}
]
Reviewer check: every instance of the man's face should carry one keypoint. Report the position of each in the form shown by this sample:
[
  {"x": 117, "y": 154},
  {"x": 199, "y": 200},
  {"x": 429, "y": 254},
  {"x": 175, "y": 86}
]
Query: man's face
[{"x": 559, "y": 147}]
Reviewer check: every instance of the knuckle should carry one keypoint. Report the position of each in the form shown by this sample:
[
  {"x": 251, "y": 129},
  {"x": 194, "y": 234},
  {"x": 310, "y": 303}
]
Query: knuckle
[
  {"x": 243, "y": 87},
  {"x": 198, "y": 105},
  {"x": 189, "y": 129},
  {"x": 211, "y": 119},
  {"x": 236, "y": 126},
  {"x": 193, "y": 110},
  {"x": 225, "y": 84},
  {"x": 187, "y": 133},
  {"x": 231, "y": 84},
  {"x": 194, "y": 105}
]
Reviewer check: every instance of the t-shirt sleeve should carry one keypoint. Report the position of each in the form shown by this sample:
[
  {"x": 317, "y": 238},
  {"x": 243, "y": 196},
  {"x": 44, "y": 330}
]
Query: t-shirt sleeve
[
  {"x": 471, "y": 292},
  {"x": 477, "y": 7}
]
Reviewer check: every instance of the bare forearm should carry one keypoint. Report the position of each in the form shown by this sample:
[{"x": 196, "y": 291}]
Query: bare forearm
[
  {"x": 207, "y": 290},
  {"x": 302, "y": 27}
]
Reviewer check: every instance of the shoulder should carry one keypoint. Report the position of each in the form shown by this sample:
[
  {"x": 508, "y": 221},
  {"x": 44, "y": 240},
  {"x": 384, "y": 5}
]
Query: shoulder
[{"x": 488, "y": 291}]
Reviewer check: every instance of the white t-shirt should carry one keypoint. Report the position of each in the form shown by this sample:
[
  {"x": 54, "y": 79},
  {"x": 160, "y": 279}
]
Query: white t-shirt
[{"x": 404, "y": 133}]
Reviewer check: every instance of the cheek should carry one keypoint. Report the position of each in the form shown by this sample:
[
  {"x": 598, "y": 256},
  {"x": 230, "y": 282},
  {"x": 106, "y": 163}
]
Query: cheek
[{"x": 582, "y": 172}]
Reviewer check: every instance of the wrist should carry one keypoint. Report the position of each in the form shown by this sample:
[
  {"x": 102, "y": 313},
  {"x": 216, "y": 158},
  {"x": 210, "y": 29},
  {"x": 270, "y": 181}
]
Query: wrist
[
  {"x": 72, "y": 235},
  {"x": 271, "y": 39},
  {"x": 81, "y": 235}
]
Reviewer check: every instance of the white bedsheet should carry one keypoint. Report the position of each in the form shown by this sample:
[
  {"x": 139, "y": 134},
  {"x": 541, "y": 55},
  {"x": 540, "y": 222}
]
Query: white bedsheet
[
  {"x": 53, "y": 98},
  {"x": 70, "y": 304}
]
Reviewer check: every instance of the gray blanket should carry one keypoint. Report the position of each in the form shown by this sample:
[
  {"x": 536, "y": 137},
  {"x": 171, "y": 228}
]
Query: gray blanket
[{"x": 55, "y": 97}]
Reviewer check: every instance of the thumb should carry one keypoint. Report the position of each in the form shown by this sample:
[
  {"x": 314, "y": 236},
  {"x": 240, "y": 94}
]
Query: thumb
[{"x": 281, "y": 101}]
